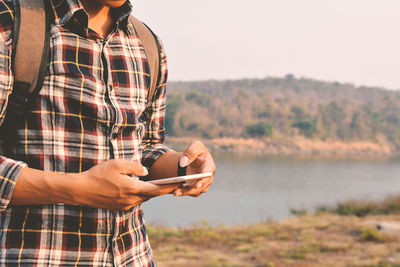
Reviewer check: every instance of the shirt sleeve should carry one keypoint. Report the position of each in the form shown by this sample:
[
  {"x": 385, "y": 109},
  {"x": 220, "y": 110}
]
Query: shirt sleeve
[
  {"x": 9, "y": 169},
  {"x": 153, "y": 141}
]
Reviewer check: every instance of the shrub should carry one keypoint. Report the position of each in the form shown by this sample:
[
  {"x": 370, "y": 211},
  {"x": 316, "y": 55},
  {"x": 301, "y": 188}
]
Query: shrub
[
  {"x": 356, "y": 208},
  {"x": 259, "y": 129},
  {"x": 306, "y": 128},
  {"x": 369, "y": 234},
  {"x": 390, "y": 205}
]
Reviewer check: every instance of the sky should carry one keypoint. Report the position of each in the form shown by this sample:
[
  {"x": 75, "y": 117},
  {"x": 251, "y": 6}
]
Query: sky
[{"x": 355, "y": 41}]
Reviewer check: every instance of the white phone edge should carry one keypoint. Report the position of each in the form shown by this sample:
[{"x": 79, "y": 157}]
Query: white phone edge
[{"x": 181, "y": 179}]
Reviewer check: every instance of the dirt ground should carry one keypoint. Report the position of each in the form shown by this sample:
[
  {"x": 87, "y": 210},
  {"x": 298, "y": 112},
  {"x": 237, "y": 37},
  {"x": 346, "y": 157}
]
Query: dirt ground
[{"x": 309, "y": 240}]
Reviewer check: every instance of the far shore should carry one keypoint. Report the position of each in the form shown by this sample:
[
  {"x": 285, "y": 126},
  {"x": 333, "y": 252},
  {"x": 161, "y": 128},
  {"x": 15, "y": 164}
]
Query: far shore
[{"x": 294, "y": 146}]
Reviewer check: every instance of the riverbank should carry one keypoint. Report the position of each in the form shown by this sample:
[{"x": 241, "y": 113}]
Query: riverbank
[
  {"x": 295, "y": 146},
  {"x": 309, "y": 240}
]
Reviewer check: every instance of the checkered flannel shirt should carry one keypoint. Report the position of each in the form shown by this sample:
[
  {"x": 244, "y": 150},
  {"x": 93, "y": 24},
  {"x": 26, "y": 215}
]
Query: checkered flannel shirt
[{"x": 93, "y": 107}]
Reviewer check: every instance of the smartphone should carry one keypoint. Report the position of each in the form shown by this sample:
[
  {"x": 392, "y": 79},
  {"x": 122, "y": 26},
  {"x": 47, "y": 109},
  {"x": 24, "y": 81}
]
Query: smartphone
[{"x": 182, "y": 179}]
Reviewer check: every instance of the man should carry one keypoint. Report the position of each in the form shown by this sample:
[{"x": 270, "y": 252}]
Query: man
[{"x": 69, "y": 195}]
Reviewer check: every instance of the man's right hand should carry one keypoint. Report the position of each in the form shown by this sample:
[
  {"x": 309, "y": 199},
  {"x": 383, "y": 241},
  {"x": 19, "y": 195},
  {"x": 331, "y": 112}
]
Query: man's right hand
[{"x": 107, "y": 185}]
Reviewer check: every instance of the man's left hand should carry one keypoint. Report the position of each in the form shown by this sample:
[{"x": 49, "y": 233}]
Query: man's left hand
[{"x": 197, "y": 159}]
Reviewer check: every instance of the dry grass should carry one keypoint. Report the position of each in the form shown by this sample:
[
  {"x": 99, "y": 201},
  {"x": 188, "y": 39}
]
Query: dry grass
[
  {"x": 310, "y": 240},
  {"x": 295, "y": 145}
]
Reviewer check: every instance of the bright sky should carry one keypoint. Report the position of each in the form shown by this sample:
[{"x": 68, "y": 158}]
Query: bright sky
[{"x": 355, "y": 41}]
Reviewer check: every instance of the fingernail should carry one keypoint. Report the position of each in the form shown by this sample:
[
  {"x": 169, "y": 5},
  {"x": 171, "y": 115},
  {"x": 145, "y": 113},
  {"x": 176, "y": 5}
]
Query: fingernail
[
  {"x": 145, "y": 170},
  {"x": 183, "y": 161},
  {"x": 178, "y": 193}
]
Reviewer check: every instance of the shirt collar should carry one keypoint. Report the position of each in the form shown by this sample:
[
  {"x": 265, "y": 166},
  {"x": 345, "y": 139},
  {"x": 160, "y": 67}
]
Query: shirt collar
[{"x": 71, "y": 12}]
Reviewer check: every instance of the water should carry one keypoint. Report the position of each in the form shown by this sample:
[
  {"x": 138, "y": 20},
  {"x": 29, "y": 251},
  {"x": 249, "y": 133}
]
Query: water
[{"x": 249, "y": 189}]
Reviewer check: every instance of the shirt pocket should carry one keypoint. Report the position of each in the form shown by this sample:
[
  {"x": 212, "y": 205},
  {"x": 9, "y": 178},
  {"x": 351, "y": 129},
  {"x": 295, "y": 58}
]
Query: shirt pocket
[
  {"x": 75, "y": 78},
  {"x": 75, "y": 61}
]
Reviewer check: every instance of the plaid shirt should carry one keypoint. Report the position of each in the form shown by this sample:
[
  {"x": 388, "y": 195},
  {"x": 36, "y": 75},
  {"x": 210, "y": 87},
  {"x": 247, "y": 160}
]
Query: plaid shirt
[{"x": 93, "y": 107}]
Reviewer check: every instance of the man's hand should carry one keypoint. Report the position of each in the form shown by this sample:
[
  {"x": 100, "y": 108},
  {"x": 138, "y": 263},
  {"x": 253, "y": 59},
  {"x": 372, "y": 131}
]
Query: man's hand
[
  {"x": 197, "y": 159},
  {"x": 108, "y": 185}
]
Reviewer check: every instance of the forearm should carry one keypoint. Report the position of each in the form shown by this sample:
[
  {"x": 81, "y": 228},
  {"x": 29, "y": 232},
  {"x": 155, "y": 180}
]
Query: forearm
[
  {"x": 165, "y": 166},
  {"x": 108, "y": 185},
  {"x": 36, "y": 187}
]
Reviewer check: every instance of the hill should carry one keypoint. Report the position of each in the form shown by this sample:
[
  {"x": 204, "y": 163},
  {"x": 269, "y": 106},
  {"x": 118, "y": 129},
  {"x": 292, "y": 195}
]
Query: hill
[{"x": 283, "y": 108}]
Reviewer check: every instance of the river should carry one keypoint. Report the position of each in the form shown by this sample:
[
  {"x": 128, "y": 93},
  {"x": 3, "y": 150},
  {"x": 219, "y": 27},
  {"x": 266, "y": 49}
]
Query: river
[{"x": 250, "y": 189}]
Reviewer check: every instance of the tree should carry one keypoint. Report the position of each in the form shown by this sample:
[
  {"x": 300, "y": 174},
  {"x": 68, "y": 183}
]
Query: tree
[
  {"x": 306, "y": 128},
  {"x": 172, "y": 108},
  {"x": 289, "y": 77},
  {"x": 259, "y": 129}
]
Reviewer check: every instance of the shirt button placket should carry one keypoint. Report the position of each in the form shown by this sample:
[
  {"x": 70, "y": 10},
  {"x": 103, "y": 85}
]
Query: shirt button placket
[
  {"x": 114, "y": 135},
  {"x": 109, "y": 84}
]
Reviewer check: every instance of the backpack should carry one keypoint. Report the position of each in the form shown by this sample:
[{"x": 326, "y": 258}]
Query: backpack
[{"x": 31, "y": 45}]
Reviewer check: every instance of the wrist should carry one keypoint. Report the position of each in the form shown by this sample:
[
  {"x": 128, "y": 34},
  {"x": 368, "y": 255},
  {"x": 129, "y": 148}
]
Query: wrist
[
  {"x": 37, "y": 187},
  {"x": 62, "y": 187},
  {"x": 70, "y": 184},
  {"x": 165, "y": 166}
]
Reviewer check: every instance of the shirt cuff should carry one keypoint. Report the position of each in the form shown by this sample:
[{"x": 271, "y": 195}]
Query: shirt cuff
[
  {"x": 9, "y": 173},
  {"x": 152, "y": 153}
]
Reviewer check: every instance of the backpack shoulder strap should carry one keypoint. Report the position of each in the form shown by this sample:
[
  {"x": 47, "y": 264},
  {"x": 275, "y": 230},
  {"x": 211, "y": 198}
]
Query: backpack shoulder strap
[
  {"x": 30, "y": 44},
  {"x": 152, "y": 49},
  {"x": 29, "y": 62}
]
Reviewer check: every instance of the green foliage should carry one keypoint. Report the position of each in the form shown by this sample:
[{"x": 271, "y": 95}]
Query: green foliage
[
  {"x": 172, "y": 108},
  {"x": 388, "y": 264},
  {"x": 356, "y": 208},
  {"x": 299, "y": 112},
  {"x": 298, "y": 254},
  {"x": 300, "y": 212},
  {"x": 307, "y": 128},
  {"x": 198, "y": 97},
  {"x": 215, "y": 262},
  {"x": 161, "y": 233},
  {"x": 286, "y": 106},
  {"x": 289, "y": 77},
  {"x": 259, "y": 129},
  {"x": 390, "y": 205},
  {"x": 205, "y": 233},
  {"x": 369, "y": 234}
]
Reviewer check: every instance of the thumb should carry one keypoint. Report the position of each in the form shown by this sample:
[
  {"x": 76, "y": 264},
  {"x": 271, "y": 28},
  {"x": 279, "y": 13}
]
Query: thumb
[
  {"x": 191, "y": 153},
  {"x": 135, "y": 168}
]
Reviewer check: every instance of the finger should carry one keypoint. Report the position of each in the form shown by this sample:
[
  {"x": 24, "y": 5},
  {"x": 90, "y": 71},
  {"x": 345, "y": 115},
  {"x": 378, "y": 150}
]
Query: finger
[
  {"x": 130, "y": 167},
  {"x": 149, "y": 189},
  {"x": 193, "y": 151},
  {"x": 199, "y": 187},
  {"x": 187, "y": 191},
  {"x": 201, "y": 183},
  {"x": 204, "y": 163}
]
